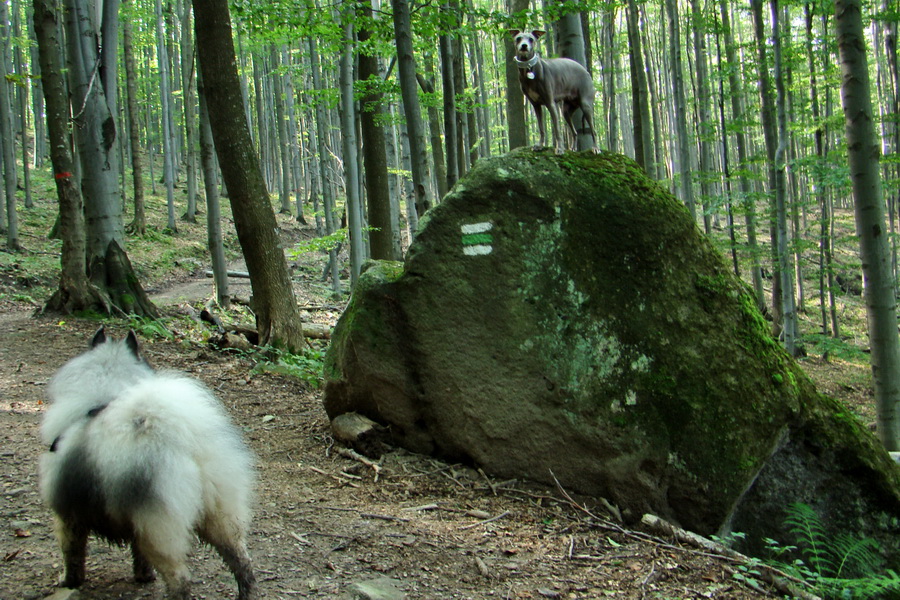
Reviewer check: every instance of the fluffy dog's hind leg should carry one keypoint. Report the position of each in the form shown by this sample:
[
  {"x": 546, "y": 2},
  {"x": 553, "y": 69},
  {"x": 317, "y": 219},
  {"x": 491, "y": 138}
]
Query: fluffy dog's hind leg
[
  {"x": 73, "y": 543},
  {"x": 227, "y": 537},
  {"x": 166, "y": 546},
  {"x": 238, "y": 560},
  {"x": 143, "y": 570}
]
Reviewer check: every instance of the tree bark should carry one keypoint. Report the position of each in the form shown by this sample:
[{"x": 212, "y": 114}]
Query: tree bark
[
  {"x": 863, "y": 159},
  {"x": 75, "y": 291},
  {"x": 277, "y": 317},
  {"x": 572, "y": 45},
  {"x": 736, "y": 93},
  {"x": 7, "y": 140},
  {"x": 515, "y": 99},
  {"x": 350, "y": 151},
  {"x": 321, "y": 139},
  {"x": 190, "y": 117},
  {"x": 96, "y": 141},
  {"x": 374, "y": 151},
  {"x": 451, "y": 137},
  {"x": 213, "y": 209},
  {"x": 684, "y": 147},
  {"x": 705, "y": 130},
  {"x": 138, "y": 224},
  {"x": 406, "y": 67},
  {"x": 788, "y": 310},
  {"x": 165, "y": 101},
  {"x": 640, "y": 95},
  {"x": 767, "y": 115}
]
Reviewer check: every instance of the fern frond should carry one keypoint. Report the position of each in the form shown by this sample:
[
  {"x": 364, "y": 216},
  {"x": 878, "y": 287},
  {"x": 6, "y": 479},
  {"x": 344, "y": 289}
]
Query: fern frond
[
  {"x": 803, "y": 522},
  {"x": 855, "y": 557},
  {"x": 873, "y": 587}
]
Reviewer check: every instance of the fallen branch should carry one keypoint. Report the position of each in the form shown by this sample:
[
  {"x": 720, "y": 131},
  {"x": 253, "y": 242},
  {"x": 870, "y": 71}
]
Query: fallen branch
[
  {"x": 238, "y": 274},
  {"x": 781, "y": 581},
  {"x": 486, "y": 521},
  {"x": 354, "y": 455}
]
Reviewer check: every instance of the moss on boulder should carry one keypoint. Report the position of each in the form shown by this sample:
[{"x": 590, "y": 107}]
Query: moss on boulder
[{"x": 562, "y": 314}]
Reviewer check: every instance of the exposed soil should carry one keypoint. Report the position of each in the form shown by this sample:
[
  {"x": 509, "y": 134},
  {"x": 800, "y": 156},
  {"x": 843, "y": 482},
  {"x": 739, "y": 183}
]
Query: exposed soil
[{"x": 324, "y": 521}]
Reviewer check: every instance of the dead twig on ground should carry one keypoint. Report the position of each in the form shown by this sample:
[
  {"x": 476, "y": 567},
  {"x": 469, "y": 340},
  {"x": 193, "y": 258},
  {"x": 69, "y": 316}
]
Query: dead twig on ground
[{"x": 486, "y": 521}]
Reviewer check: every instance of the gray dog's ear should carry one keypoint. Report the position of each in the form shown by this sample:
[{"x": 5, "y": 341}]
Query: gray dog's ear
[
  {"x": 513, "y": 32},
  {"x": 99, "y": 337},
  {"x": 538, "y": 33},
  {"x": 132, "y": 342}
]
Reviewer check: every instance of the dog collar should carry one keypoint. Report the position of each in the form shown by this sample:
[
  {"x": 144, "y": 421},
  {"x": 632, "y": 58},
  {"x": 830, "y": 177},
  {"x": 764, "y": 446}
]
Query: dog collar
[{"x": 527, "y": 64}]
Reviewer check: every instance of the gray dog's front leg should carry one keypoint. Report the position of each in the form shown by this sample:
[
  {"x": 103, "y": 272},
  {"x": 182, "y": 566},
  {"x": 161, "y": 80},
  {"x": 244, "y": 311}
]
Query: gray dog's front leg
[
  {"x": 553, "y": 107},
  {"x": 539, "y": 114}
]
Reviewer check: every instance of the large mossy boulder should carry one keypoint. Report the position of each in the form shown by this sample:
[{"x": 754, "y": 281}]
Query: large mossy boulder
[{"x": 562, "y": 317}]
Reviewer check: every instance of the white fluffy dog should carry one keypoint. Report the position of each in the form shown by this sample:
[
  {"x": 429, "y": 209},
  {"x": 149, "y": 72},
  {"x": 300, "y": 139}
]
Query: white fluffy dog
[{"x": 148, "y": 458}]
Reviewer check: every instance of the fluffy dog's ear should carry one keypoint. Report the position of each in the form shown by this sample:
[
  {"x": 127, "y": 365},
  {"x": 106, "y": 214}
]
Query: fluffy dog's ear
[
  {"x": 513, "y": 32},
  {"x": 538, "y": 33},
  {"x": 99, "y": 337},
  {"x": 132, "y": 342}
]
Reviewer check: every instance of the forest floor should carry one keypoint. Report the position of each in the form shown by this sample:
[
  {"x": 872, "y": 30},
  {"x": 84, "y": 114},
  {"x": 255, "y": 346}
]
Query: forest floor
[{"x": 324, "y": 522}]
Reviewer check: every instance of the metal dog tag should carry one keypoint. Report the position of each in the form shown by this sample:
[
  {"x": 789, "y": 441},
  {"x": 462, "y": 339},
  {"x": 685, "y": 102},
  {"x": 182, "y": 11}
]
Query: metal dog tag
[{"x": 529, "y": 75}]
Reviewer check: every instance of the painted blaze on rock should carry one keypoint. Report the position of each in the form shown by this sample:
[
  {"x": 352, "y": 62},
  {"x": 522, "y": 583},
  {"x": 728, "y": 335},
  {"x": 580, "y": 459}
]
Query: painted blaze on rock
[{"x": 563, "y": 314}]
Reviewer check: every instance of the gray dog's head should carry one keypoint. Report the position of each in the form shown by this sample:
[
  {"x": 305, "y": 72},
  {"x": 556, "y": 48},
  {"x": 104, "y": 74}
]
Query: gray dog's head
[{"x": 525, "y": 43}]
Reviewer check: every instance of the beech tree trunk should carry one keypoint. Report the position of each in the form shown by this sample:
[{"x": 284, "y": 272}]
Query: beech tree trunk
[
  {"x": 138, "y": 224},
  {"x": 7, "y": 139},
  {"x": 640, "y": 94},
  {"x": 685, "y": 183},
  {"x": 406, "y": 68},
  {"x": 371, "y": 120},
  {"x": 277, "y": 317},
  {"x": 738, "y": 109},
  {"x": 863, "y": 159},
  {"x": 350, "y": 151},
  {"x": 788, "y": 303},
  {"x": 75, "y": 291},
  {"x": 213, "y": 209},
  {"x": 95, "y": 128}
]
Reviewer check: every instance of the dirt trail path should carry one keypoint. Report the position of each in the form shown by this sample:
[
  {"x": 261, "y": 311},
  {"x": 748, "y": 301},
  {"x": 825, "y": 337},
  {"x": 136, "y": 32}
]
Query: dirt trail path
[{"x": 324, "y": 522}]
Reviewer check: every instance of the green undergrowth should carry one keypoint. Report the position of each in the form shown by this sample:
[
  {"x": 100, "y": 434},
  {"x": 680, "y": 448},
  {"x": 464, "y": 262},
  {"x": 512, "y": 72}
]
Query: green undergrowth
[{"x": 840, "y": 567}]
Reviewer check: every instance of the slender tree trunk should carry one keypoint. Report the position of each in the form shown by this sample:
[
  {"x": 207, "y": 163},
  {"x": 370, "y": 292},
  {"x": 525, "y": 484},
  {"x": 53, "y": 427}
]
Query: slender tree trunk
[
  {"x": 789, "y": 311},
  {"x": 284, "y": 188},
  {"x": 767, "y": 111},
  {"x": 7, "y": 139},
  {"x": 327, "y": 198},
  {"x": 213, "y": 208},
  {"x": 374, "y": 153},
  {"x": 684, "y": 148},
  {"x": 350, "y": 153},
  {"x": 407, "y": 75},
  {"x": 609, "y": 79},
  {"x": 451, "y": 138},
  {"x": 190, "y": 118},
  {"x": 640, "y": 95},
  {"x": 166, "y": 126},
  {"x": 746, "y": 189},
  {"x": 22, "y": 101},
  {"x": 293, "y": 135},
  {"x": 863, "y": 155},
  {"x": 434, "y": 127},
  {"x": 138, "y": 225},
  {"x": 515, "y": 99},
  {"x": 705, "y": 130},
  {"x": 277, "y": 317}
]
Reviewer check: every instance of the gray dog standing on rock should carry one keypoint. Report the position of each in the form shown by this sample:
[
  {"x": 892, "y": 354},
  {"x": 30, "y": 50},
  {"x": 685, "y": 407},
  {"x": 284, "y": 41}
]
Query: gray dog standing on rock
[
  {"x": 553, "y": 82},
  {"x": 148, "y": 458}
]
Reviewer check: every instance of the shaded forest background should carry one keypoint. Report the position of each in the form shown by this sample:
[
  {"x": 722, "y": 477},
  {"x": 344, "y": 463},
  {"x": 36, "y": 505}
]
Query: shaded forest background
[{"x": 696, "y": 92}]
